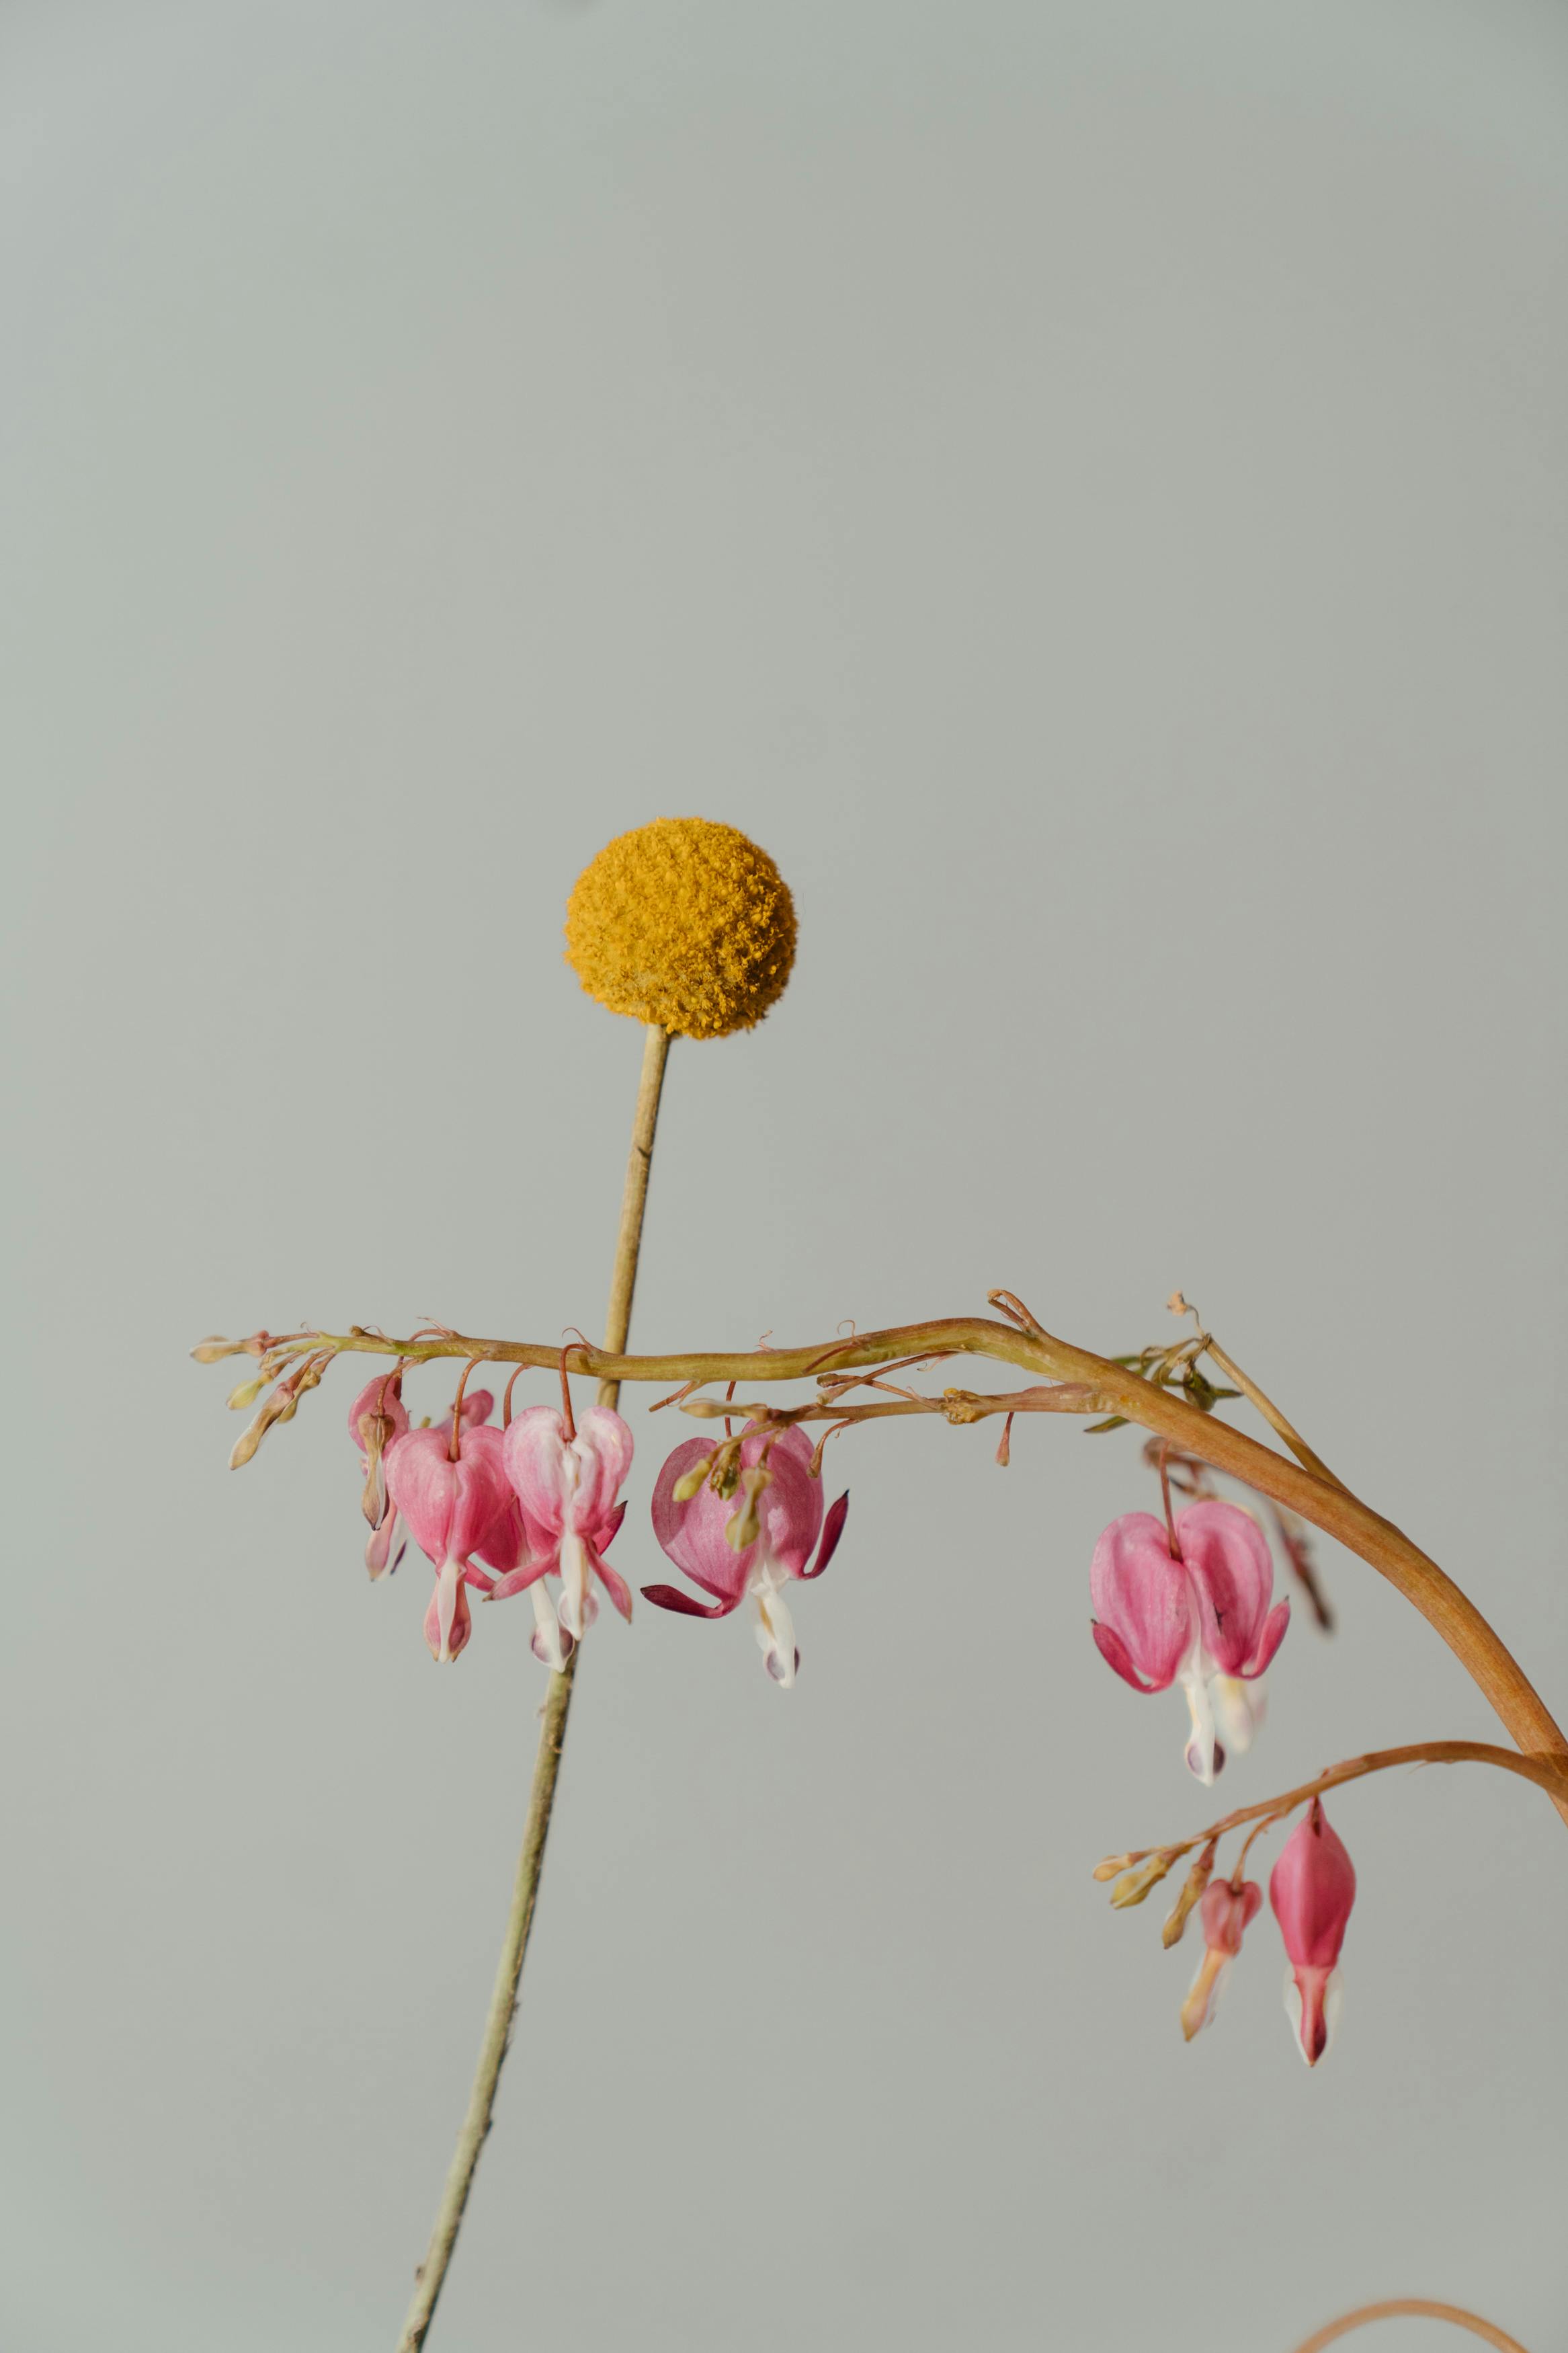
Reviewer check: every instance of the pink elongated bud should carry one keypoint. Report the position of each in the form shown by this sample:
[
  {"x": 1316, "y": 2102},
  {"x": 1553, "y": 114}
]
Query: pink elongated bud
[
  {"x": 1311, "y": 1889},
  {"x": 1225, "y": 1912}
]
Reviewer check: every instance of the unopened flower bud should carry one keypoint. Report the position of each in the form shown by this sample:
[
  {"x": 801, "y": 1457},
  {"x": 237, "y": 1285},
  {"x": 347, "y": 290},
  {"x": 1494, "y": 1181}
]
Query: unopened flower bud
[
  {"x": 1135, "y": 1885},
  {"x": 1227, "y": 1910},
  {"x": 693, "y": 1481},
  {"x": 277, "y": 1408},
  {"x": 1192, "y": 1893},
  {"x": 246, "y": 1393},
  {"x": 1311, "y": 1889},
  {"x": 212, "y": 1350},
  {"x": 1114, "y": 1864},
  {"x": 377, "y": 1418}
]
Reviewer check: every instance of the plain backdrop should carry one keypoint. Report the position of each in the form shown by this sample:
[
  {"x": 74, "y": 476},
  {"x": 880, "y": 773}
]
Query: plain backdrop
[{"x": 1085, "y": 486}]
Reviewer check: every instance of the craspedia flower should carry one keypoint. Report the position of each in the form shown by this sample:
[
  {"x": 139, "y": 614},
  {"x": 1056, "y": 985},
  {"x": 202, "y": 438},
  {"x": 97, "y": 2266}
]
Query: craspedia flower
[{"x": 684, "y": 924}]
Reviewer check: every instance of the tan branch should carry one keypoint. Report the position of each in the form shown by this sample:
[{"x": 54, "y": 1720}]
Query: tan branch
[{"x": 1314, "y": 1496}]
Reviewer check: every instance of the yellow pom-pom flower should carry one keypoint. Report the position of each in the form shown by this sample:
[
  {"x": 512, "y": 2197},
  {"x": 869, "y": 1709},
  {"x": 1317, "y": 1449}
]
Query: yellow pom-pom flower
[{"x": 684, "y": 924}]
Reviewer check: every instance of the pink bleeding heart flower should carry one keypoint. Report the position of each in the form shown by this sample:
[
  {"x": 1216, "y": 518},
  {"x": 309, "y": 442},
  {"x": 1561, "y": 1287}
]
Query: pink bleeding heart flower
[
  {"x": 1312, "y": 1888},
  {"x": 1225, "y": 1912},
  {"x": 699, "y": 1536},
  {"x": 566, "y": 1481},
  {"x": 1195, "y": 1613},
  {"x": 455, "y": 1509},
  {"x": 377, "y": 1419}
]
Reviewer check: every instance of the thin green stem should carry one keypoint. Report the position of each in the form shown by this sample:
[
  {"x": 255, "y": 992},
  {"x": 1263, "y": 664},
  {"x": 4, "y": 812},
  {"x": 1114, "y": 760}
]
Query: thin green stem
[{"x": 502, "y": 2010}]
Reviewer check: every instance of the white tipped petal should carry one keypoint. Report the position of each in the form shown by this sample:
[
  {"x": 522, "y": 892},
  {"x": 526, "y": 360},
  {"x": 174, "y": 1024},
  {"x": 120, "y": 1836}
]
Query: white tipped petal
[
  {"x": 447, "y": 1585},
  {"x": 547, "y": 1643},
  {"x": 1204, "y": 1756},
  {"x": 573, "y": 1584},
  {"x": 1239, "y": 1710},
  {"x": 775, "y": 1638}
]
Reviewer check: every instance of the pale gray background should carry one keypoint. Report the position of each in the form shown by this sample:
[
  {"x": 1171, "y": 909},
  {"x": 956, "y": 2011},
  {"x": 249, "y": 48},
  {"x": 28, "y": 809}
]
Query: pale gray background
[{"x": 1085, "y": 486}]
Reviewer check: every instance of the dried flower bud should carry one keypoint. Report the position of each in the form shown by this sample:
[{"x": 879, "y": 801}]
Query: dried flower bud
[
  {"x": 214, "y": 1348},
  {"x": 692, "y": 1481},
  {"x": 1135, "y": 1885},
  {"x": 278, "y": 1407},
  {"x": 1114, "y": 1864},
  {"x": 1192, "y": 1887}
]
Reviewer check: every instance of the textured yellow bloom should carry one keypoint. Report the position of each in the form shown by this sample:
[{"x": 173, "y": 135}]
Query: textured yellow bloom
[{"x": 684, "y": 924}]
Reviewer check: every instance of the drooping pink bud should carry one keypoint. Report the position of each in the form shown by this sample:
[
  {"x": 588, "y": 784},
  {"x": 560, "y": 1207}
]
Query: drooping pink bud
[
  {"x": 566, "y": 1487},
  {"x": 1311, "y": 1889},
  {"x": 454, "y": 1510},
  {"x": 780, "y": 1520},
  {"x": 1195, "y": 1615},
  {"x": 380, "y": 1399},
  {"x": 1226, "y": 1911},
  {"x": 377, "y": 1419}
]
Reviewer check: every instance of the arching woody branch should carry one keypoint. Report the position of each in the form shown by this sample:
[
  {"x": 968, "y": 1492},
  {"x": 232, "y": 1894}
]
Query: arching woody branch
[{"x": 1095, "y": 1384}]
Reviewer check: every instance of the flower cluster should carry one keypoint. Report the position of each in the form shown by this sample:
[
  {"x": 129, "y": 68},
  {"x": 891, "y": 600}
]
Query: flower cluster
[
  {"x": 1189, "y": 1600},
  {"x": 505, "y": 1510},
  {"x": 1311, "y": 1889},
  {"x": 501, "y": 1511}
]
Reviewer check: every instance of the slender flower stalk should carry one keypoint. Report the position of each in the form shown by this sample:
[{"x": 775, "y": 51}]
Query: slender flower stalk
[
  {"x": 1549, "y": 1773},
  {"x": 547, "y": 1766}
]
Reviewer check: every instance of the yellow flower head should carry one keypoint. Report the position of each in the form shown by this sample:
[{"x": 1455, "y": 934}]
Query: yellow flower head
[{"x": 684, "y": 924}]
